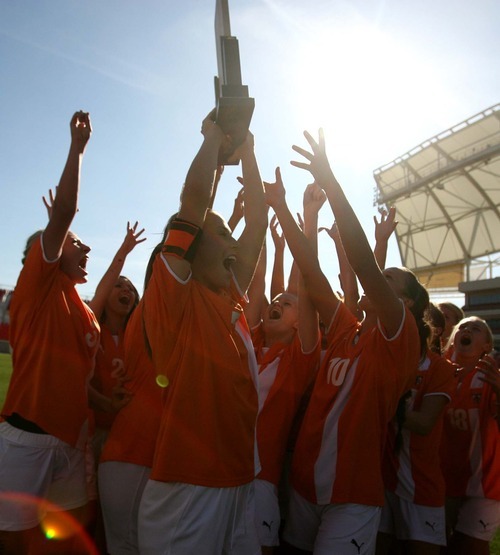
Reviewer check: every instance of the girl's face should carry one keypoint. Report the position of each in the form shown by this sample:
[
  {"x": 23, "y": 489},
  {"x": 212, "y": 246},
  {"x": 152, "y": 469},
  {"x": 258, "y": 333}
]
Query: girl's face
[
  {"x": 122, "y": 297},
  {"x": 283, "y": 312},
  {"x": 472, "y": 338},
  {"x": 74, "y": 258},
  {"x": 216, "y": 254}
]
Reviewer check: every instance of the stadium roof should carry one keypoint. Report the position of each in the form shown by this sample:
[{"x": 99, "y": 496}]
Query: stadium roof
[{"x": 447, "y": 195}]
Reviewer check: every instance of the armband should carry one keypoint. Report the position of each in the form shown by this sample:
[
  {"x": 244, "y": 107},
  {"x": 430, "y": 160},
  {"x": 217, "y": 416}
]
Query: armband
[{"x": 182, "y": 240}]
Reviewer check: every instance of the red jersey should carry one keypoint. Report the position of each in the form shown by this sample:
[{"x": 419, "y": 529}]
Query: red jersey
[
  {"x": 285, "y": 373},
  {"x": 132, "y": 437},
  {"x": 108, "y": 368},
  {"x": 338, "y": 453},
  {"x": 471, "y": 440},
  {"x": 54, "y": 337},
  {"x": 200, "y": 341},
  {"x": 415, "y": 473}
]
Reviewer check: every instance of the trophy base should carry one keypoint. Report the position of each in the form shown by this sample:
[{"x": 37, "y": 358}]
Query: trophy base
[{"x": 233, "y": 116}]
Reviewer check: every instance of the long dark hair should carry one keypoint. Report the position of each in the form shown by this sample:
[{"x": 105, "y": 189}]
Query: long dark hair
[
  {"x": 103, "y": 317},
  {"x": 419, "y": 296}
]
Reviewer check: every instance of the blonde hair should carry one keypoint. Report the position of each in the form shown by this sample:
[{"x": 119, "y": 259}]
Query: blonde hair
[{"x": 487, "y": 328}]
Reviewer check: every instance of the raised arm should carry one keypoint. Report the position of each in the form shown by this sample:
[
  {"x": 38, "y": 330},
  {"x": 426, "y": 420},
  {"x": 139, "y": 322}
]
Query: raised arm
[
  {"x": 383, "y": 230},
  {"x": 278, "y": 275},
  {"x": 252, "y": 238},
  {"x": 314, "y": 198},
  {"x": 197, "y": 193},
  {"x": 347, "y": 277},
  {"x": 110, "y": 277},
  {"x": 359, "y": 253},
  {"x": 257, "y": 291},
  {"x": 65, "y": 203},
  {"x": 238, "y": 211},
  {"x": 320, "y": 292}
]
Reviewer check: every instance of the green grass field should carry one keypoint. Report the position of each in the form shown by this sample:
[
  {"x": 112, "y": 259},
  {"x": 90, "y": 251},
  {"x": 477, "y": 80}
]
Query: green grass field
[{"x": 6, "y": 369}]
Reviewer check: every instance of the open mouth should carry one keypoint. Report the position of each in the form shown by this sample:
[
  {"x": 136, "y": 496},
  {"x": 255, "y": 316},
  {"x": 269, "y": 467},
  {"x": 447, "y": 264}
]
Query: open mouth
[
  {"x": 229, "y": 261},
  {"x": 124, "y": 300},
  {"x": 83, "y": 263},
  {"x": 275, "y": 313},
  {"x": 465, "y": 341}
]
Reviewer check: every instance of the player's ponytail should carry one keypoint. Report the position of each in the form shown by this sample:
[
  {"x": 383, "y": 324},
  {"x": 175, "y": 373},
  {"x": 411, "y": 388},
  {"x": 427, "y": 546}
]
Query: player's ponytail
[{"x": 419, "y": 296}]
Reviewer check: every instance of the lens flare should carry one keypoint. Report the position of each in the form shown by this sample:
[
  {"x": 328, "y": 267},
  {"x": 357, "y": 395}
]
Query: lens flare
[{"x": 56, "y": 524}]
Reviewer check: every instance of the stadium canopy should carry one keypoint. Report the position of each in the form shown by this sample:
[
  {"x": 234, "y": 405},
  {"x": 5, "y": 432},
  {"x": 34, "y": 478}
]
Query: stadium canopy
[{"x": 447, "y": 195}]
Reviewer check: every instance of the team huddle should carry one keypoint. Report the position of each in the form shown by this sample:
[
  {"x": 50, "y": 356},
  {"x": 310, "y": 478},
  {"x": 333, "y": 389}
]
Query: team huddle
[{"x": 203, "y": 418}]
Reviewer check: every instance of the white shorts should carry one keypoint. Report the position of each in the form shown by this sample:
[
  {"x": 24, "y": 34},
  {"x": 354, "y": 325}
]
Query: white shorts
[
  {"x": 478, "y": 518},
  {"x": 408, "y": 521},
  {"x": 120, "y": 490},
  {"x": 182, "y": 519},
  {"x": 334, "y": 528},
  {"x": 267, "y": 513},
  {"x": 35, "y": 468}
]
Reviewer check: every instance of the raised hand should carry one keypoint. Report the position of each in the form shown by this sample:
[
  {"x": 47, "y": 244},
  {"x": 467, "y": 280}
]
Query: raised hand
[
  {"x": 81, "y": 129},
  {"x": 314, "y": 198},
  {"x": 132, "y": 238},
  {"x": 49, "y": 203},
  {"x": 385, "y": 228},
  {"x": 211, "y": 131},
  {"x": 238, "y": 208},
  {"x": 275, "y": 192},
  {"x": 278, "y": 240},
  {"x": 491, "y": 375},
  {"x": 333, "y": 231},
  {"x": 318, "y": 164}
]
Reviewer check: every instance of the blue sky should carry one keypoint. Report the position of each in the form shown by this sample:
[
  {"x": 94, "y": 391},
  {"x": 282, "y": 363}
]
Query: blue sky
[{"x": 380, "y": 77}]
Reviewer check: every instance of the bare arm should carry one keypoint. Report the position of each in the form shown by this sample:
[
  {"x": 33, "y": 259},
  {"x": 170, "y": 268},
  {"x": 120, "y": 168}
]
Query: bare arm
[
  {"x": 197, "y": 193},
  {"x": 491, "y": 375},
  {"x": 320, "y": 292},
  {"x": 314, "y": 198},
  {"x": 293, "y": 278},
  {"x": 359, "y": 253},
  {"x": 238, "y": 211},
  {"x": 278, "y": 275},
  {"x": 108, "y": 280},
  {"x": 383, "y": 230},
  {"x": 257, "y": 291},
  {"x": 348, "y": 281},
  {"x": 422, "y": 422},
  {"x": 64, "y": 206},
  {"x": 252, "y": 238}
]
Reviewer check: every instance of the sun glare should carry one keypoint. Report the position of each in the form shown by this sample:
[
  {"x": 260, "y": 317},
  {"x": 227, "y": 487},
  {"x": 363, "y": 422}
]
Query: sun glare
[{"x": 361, "y": 83}]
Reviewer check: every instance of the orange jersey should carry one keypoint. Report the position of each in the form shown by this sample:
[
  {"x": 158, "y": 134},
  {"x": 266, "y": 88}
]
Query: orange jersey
[
  {"x": 285, "y": 373},
  {"x": 414, "y": 473},
  {"x": 108, "y": 368},
  {"x": 201, "y": 342},
  {"x": 471, "y": 441},
  {"x": 54, "y": 337},
  {"x": 132, "y": 437},
  {"x": 338, "y": 454}
]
